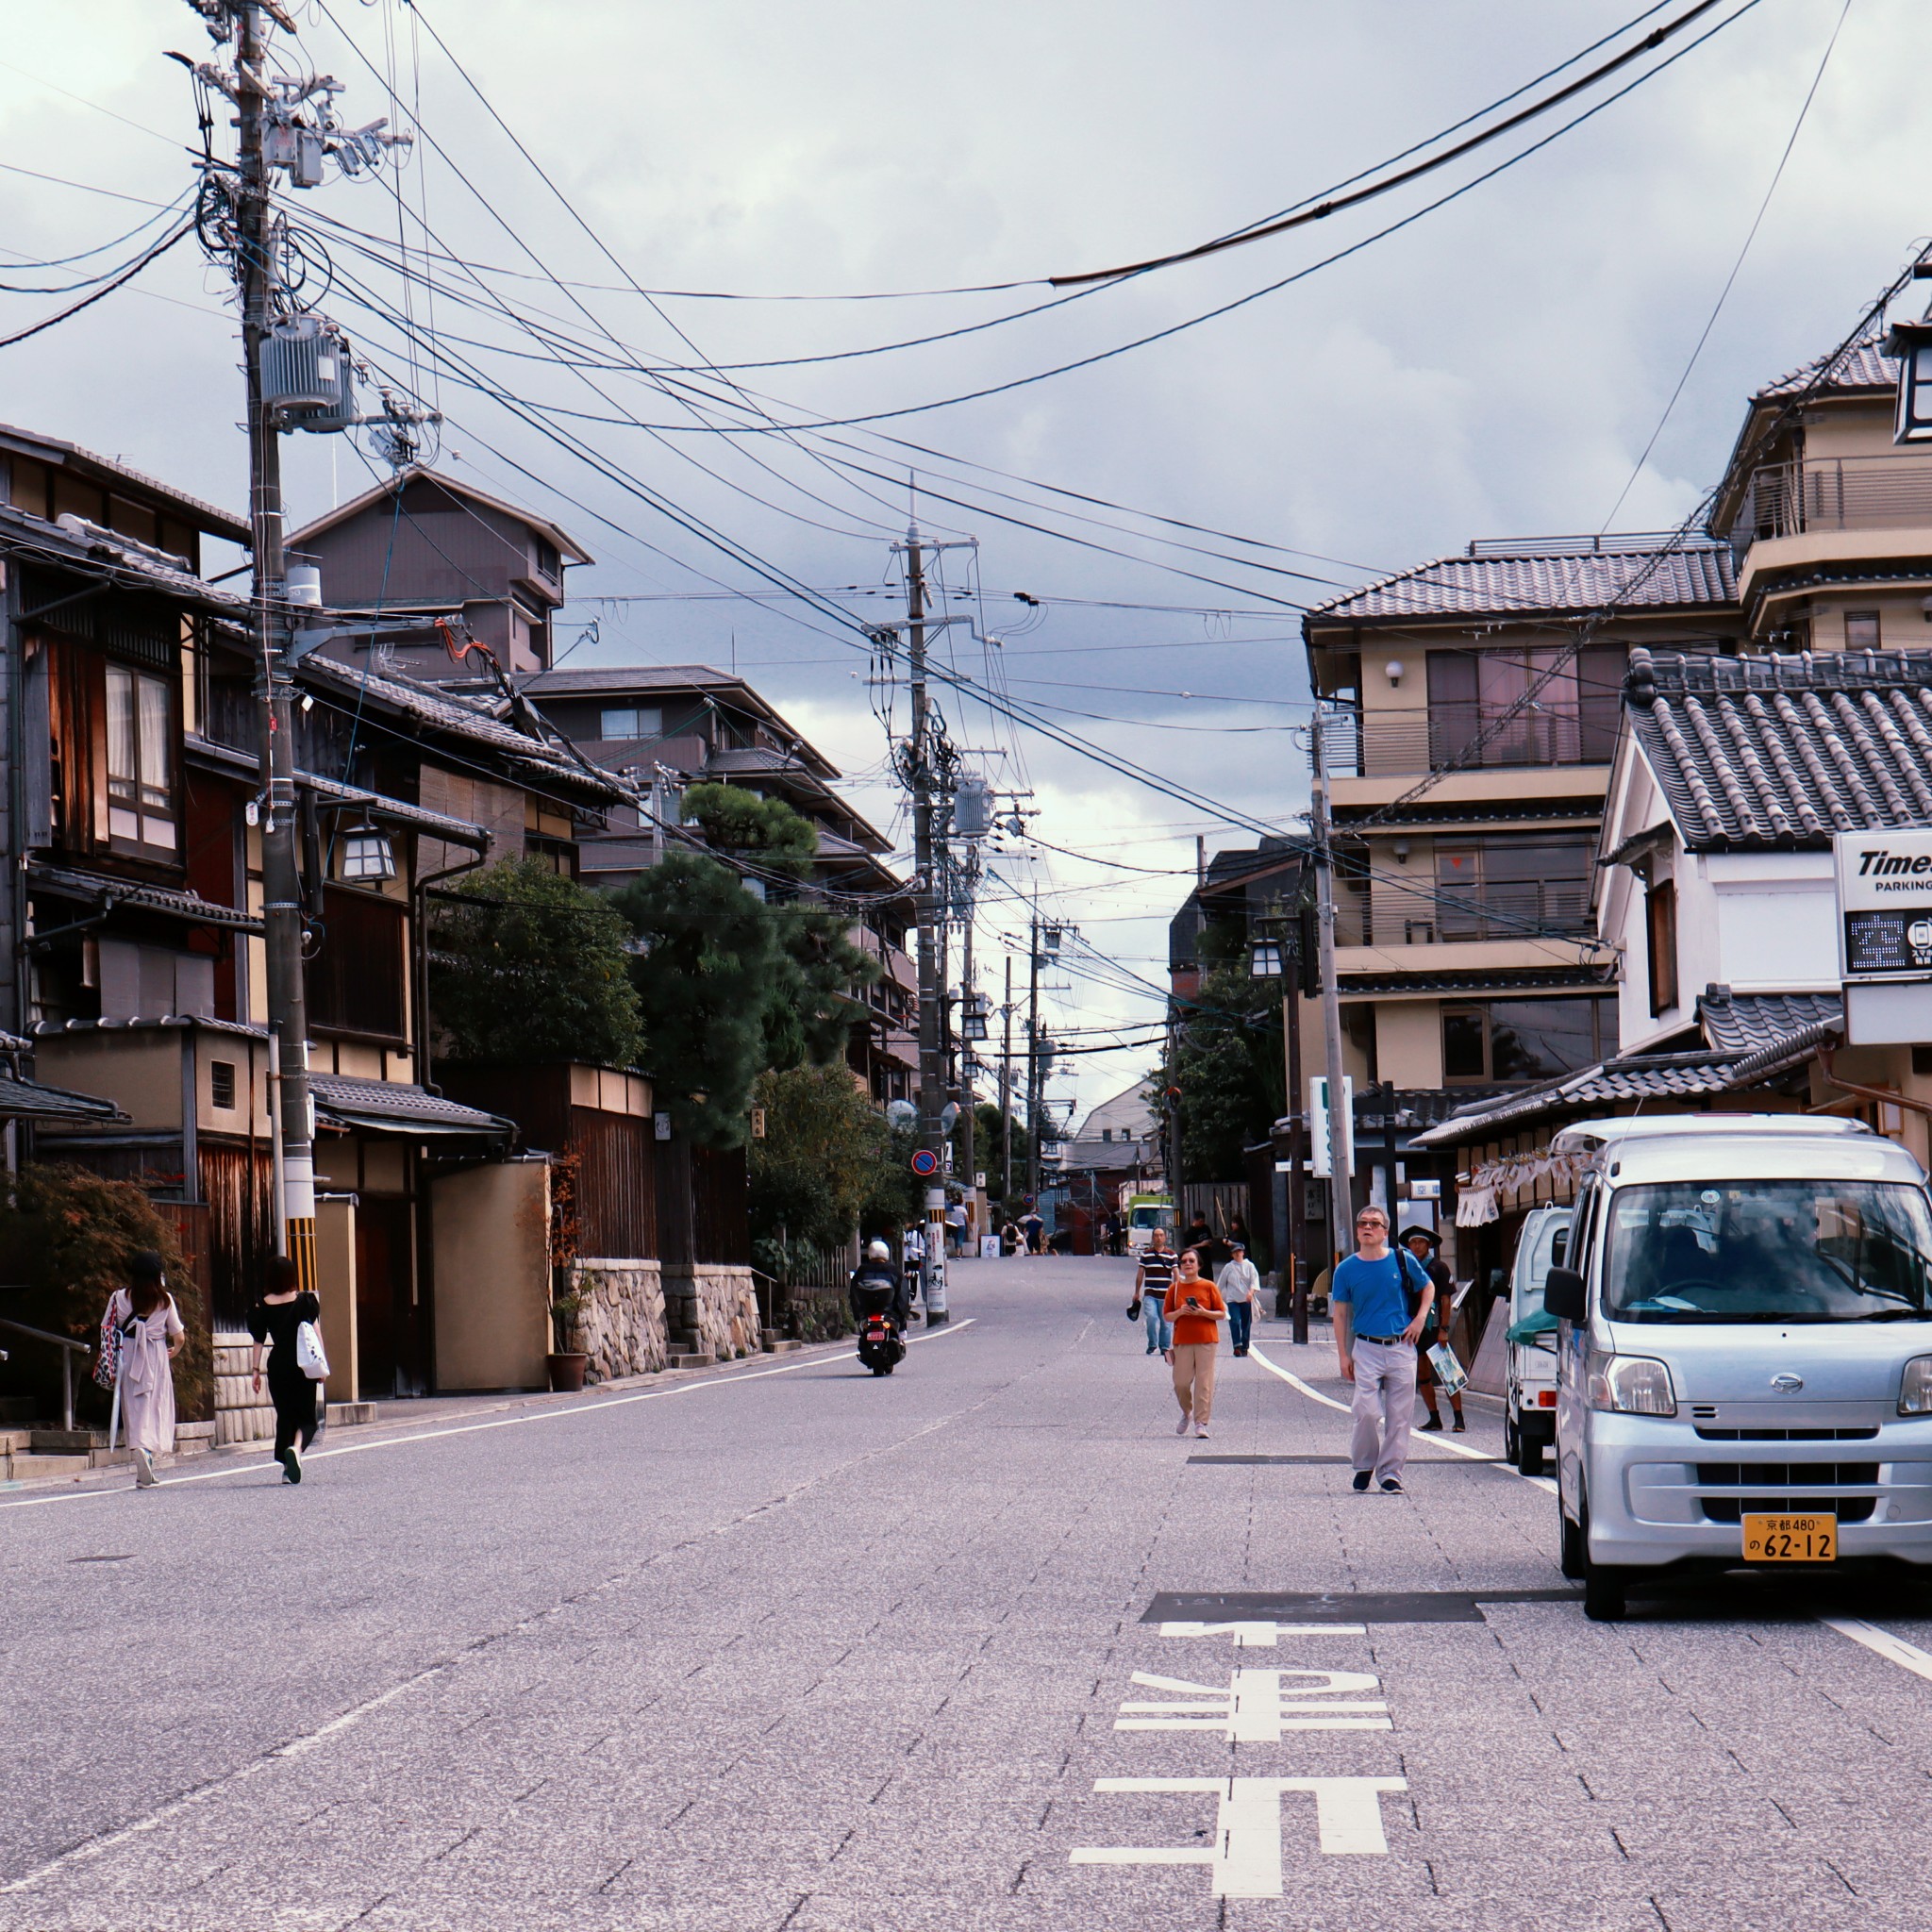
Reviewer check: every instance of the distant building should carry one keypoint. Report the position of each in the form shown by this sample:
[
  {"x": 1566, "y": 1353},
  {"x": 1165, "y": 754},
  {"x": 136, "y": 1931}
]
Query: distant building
[
  {"x": 424, "y": 544},
  {"x": 1117, "y": 1142}
]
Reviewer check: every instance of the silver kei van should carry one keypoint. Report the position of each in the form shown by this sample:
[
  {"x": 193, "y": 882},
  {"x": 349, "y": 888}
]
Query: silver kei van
[{"x": 1745, "y": 1351}]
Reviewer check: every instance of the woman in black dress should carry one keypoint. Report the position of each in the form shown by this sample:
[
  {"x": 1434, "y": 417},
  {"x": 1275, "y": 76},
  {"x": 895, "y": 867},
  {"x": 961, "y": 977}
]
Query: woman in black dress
[{"x": 283, "y": 1307}]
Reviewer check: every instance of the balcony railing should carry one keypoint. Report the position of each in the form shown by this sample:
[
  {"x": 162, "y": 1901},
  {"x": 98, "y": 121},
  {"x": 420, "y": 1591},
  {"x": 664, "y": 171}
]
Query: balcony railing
[
  {"x": 1392, "y": 743},
  {"x": 1393, "y": 915},
  {"x": 1871, "y": 492}
]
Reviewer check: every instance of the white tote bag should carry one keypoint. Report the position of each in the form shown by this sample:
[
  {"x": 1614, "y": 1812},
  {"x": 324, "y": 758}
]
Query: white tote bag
[{"x": 310, "y": 1356}]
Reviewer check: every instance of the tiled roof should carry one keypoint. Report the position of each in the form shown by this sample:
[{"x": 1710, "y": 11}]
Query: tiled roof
[
  {"x": 1750, "y": 1021},
  {"x": 208, "y": 516},
  {"x": 99, "y": 889},
  {"x": 396, "y": 1107},
  {"x": 1865, "y": 365},
  {"x": 472, "y": 719},
  {"x": 77, "y": 545},
  {"x": 1695, "y": 573},
  {"x": 1419, "y": 980},
  {"x": 1640, "y": 1076},
  {"x": 29, "y": 1100},
  {"x": 1778, "y": 752}
]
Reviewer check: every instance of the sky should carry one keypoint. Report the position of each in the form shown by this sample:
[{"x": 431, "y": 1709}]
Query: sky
[{"x": 1496, "y": 367}]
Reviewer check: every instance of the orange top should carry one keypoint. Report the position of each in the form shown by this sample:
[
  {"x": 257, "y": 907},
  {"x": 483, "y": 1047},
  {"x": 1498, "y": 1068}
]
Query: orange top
[{"x": 1187, "y": 1327}]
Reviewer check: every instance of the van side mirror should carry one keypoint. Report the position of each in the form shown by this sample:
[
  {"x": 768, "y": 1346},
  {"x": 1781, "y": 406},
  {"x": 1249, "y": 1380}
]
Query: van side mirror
[{"x": 1563, "y": 1296}]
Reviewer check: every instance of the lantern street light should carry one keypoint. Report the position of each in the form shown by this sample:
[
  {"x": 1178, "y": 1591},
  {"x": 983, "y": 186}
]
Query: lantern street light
[
  {"x": 1264, "y": 958},
  {"x": 1911, "y": 343}
]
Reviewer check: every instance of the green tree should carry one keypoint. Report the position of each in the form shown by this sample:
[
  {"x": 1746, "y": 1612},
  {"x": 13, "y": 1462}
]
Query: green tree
[
  {"x": 706, "y": 964},
  {"x": 810, "y": 1012},
  {"x": 527, "y": 964},
  {"x": 821, "y": 1157},
  {"x": 1228, "y": 1063},
  {"x": 66, "y": 1237}
]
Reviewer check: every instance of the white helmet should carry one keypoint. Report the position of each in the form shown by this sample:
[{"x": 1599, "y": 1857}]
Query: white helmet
[{"x": 877, "y": 1251}]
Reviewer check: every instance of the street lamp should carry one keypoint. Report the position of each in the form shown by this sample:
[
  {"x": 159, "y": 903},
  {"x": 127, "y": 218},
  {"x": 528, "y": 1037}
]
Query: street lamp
[
  {"x": 1264, "y": 958},
  {"x": 1911, "y": 343}
]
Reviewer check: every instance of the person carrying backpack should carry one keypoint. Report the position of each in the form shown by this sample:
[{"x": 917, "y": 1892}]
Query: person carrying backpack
[{"x": 1379, "y": 1302}]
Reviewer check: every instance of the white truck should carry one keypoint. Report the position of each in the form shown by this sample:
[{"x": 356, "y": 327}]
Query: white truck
[{"x": 1529, "y": 1374}]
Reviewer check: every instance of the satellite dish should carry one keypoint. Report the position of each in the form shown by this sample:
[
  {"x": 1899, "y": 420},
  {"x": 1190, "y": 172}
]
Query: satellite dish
[{"x": 901, "y": 1113}]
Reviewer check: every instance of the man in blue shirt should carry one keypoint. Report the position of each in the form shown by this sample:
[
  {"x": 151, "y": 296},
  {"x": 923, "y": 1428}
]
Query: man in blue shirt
[{"x": 1379, "y": 1302}]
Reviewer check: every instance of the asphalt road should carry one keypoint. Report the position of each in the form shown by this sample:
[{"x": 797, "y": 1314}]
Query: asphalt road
[{"x": 799, "y": 1649}]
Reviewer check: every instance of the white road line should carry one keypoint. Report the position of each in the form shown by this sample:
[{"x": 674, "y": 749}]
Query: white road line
[
  {"x": 1907, "y": 1656},
  {"x": 1542, "y": 1482},
  {"x": 596, "y": 1406}
]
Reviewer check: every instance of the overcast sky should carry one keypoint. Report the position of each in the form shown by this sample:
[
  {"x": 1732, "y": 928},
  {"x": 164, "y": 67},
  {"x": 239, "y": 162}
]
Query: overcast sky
[{"x": 1496, "y": 368}]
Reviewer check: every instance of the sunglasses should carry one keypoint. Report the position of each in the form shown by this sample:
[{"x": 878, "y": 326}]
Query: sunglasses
[{"x": 1371, "y": 1221}]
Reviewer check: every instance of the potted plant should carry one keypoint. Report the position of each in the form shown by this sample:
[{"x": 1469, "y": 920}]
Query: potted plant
[{"x": 567, "y": 1364}]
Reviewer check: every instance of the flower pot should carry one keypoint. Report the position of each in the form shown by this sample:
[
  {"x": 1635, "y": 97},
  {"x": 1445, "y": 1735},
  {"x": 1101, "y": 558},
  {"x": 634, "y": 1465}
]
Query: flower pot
[{"x": 567, "y": 1372}]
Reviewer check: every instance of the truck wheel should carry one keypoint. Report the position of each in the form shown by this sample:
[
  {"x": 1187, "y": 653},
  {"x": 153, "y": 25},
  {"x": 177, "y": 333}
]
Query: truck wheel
[
  {"x": 1529, "y": 1454},
  {"x": 1512, "y": 1436},
  {"x": 1574, "y": 1562}
]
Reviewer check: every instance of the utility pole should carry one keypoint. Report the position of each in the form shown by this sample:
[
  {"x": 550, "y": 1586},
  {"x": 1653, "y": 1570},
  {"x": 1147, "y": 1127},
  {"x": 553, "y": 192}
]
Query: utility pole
[
  {"x": 287, "y": 1016},
  {"x": 1033, "y": 1081},
  {"x": 968, "y": 1152},
  {"x": 1006, "y": 1094},
  {"x": 931, "y": 908},
  {"x": 1340, "y": 1202},
  {"x": 1297, "y": 1146}
]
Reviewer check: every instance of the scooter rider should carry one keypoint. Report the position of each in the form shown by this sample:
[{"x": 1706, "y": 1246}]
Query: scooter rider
[{"x": 877, "y": 1288}]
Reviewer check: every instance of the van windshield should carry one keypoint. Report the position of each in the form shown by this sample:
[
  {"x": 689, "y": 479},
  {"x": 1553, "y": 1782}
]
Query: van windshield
[
  {"x": 1153, "y": 1217},
  {"x": 1768, "y": 1251}
]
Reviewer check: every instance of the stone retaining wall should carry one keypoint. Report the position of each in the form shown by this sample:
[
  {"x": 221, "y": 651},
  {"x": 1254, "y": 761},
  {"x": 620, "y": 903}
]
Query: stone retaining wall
[
  {"x": 622, "y": 1328},
  {"x": 242, "y": 1414},
  {"x": 713, "y": 1307}
]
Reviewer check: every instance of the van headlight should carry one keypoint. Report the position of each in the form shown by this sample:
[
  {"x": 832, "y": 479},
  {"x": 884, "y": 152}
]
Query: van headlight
[
  {"x": 1636, "y": 1385},
  {"x": 1915, "y": 1388}
]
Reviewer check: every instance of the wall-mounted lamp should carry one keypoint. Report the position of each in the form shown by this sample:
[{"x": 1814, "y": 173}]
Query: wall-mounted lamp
[
  {"x": 1401, "y": 850},
  {"x": 1393, "y": 670},
  {"x": 1264, "y": 958},
  {"x": 367, "y": 855}
]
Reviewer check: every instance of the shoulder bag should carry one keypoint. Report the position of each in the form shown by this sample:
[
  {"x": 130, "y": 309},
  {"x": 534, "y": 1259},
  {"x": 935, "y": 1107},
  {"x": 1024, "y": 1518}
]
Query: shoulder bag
[{"x": 310, "y": 1358}]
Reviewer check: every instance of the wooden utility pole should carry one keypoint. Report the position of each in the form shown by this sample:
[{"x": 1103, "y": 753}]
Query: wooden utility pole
[
  {"x": 287, "y": 1016},
  {"x": 1006, "y": 1094},
  {"x": 1340, "y": 1200},
  {"x": 931, "y": 908}
]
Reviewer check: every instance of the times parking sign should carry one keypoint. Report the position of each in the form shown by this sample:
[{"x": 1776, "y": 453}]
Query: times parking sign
[{"x": 1885, "y": 904}]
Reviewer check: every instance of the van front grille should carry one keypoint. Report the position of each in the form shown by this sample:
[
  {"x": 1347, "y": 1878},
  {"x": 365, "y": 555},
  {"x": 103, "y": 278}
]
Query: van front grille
[
  {"x": 1788, "y": 1434},
  {"x": 1731, "y": 1509},
  {"x": 1734, "y": 1475}
]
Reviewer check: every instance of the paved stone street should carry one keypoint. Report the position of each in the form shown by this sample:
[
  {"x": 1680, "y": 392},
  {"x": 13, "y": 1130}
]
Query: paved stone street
[{"x": 796, "y": 1648}]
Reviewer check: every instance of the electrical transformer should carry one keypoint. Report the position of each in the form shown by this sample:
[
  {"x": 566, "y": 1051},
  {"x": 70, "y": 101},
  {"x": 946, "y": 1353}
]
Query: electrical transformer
[
  {"x": 972, "y": 809},
  {"x": 306, "y": 376}
]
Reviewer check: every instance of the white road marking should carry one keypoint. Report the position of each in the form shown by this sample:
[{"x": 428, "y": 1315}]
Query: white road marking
[
  {"x": 1257, "y": 1706},
  {"x": 1907, "y": 1656},
  {"x": 1542, "y": 1482},
  {"x": 594, "y": 1407},
  {"x": 1262, "y": 1635},
  {"x": 1246, "y": 1857}
]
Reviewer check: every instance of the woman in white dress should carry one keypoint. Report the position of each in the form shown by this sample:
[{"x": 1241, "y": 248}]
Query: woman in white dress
[{"x": 151, "y": 1337}]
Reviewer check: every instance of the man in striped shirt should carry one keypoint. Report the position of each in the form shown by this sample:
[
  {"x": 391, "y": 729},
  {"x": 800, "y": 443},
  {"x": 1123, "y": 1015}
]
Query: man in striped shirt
[{"x": 1150, "y": 1291}]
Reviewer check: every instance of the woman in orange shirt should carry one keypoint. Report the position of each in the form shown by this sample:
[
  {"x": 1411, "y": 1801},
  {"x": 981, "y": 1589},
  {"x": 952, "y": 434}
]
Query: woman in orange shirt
[{"x": 1195, "y": 1307}]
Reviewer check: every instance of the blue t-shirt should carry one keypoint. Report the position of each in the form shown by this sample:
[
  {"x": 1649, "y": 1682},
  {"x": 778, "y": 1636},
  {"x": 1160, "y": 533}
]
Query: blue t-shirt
[{"x": 1375, "y": 1292}]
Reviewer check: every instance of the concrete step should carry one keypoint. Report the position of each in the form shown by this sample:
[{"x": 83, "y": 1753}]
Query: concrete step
[
  {"x": 12, "y": 1439},
  {"x": 685, "y": 1356},
  {"x": 350, "y": 1414},
  {"x": 29, "y": 1467},
  {"x": 66, "y": 1441},
  {"x": 780, "y": 1345}
]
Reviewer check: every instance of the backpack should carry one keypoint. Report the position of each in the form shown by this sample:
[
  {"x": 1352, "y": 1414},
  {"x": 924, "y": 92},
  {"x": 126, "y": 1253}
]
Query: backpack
[{"x": 1412, "y": 1290}]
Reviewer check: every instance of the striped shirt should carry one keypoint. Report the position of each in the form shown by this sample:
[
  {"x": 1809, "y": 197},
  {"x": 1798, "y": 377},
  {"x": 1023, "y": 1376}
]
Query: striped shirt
[{"x": 1157, "y": 1270}]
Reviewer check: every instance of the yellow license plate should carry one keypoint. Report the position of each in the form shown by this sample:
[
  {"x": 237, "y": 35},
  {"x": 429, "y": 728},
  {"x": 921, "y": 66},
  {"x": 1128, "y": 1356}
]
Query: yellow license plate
[{"x": 1790, "y": 1539}]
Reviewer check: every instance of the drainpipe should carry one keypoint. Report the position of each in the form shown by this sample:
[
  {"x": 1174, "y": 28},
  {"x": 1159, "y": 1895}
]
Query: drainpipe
[{"x": 1879, "y": 1093}]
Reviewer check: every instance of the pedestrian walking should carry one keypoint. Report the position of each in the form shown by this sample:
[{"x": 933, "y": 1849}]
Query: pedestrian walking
[
  {"x": 1009, "y": 1237},
  {"x": 1195, "y": 1309},
  {"x": 285, "y": 1305},
  {"x": 152, "y": 1335},
  {"x": 1200, "y": 1237},
  {"x": 1150, "y": 1293},
  {"x": 1424, "y": 1245},
  {"x": 1238, "y": 1284},
  {"x": 1379, "y": 1301},
  {"x": 1033, "y": 1230}
]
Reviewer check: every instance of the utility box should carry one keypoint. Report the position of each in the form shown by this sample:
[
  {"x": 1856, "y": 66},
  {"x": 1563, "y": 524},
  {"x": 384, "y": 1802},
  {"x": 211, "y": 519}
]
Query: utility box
[{"x": 306, "y": 376}]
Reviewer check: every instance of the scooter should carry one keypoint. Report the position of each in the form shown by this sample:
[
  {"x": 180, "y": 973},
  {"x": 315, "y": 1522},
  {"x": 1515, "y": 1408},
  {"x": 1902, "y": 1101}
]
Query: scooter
[{"x": 880, "y": 1347}]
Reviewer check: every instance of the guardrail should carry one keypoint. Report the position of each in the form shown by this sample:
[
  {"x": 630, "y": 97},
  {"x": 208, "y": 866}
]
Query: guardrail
[{"x": 68, "y": 1347}]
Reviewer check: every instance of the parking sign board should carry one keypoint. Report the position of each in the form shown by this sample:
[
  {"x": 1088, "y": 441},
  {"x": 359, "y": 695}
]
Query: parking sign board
[{"x": 1885, "y": 904}]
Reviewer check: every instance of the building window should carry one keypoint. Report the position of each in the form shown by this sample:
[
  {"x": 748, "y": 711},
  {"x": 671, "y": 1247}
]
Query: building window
[
  {"x": 220, "y": 1084},
  {"x": 1660, "y": 944},
  {"x": 1861, "y": 630},
  {"x": 1498, "y": 1042},
  {"x": 356, "y": 979},
  {"x": 140, "y": 763},
  {"x": 631, "y": 723},
  {"x": 1107, "y": 1133},
  {"x": 1506, "y": 886},
  {"x": 1473, "y": 697},
  {"x": 549, "y": 562}
]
